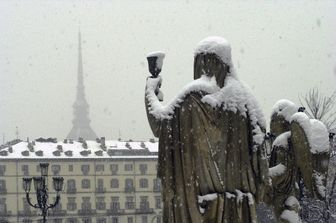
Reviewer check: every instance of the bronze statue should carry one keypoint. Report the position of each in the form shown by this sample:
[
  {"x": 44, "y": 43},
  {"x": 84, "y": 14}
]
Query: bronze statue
[
  {"x": 212, "y": 161},
  {"x": 300, "y": 156}
]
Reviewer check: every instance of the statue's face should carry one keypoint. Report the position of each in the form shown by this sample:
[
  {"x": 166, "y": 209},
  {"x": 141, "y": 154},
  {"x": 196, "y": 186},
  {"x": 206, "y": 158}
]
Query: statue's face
[{"x": 210, "y": 65}]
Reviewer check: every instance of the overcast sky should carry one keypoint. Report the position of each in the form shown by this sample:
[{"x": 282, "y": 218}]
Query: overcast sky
[{"x": 280, "y": 49}]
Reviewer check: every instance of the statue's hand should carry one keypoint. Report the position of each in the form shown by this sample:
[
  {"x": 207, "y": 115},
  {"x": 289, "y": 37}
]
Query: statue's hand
[{"x": 154, "y": 84}]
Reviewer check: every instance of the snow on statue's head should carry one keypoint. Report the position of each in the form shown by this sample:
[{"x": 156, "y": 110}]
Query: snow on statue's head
[
  {"x": 213, "y": 58},
  {"x": 282, "y": 112}
]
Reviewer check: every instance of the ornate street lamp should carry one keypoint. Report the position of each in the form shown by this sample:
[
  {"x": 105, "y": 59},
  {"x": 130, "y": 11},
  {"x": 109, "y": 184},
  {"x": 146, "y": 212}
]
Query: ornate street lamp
[{"x": 40, "y": 186}]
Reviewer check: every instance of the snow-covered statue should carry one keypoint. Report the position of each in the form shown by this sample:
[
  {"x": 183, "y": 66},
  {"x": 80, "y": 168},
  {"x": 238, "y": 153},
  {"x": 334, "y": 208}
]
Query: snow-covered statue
[
  {"x": 212, "y": 161},
  {"x": 300, "y": 155}
]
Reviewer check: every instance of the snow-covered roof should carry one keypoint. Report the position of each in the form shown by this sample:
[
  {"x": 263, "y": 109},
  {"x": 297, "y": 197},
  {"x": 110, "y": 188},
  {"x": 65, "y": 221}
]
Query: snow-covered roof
[{"x": 79, "y": 150}]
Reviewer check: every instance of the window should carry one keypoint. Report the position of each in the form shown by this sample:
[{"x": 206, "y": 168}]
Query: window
[
  {"x": 26, "y": 206},
  {"x": 57, "y": 220},
  {"x": 56, "y": 169},
  {"x": 85, "y": 183},
  {"x": 86, "y": 205},
  {"x": 100, "y": 186},
  {"x": 158, "y": 219},
  {"x": 115, "y": 205},
  {"x": 72, "y": 220},
  {"x": 3, "y": 207},
  {"x": 71, "y": 205},
  {"x": 3, "y": 186},
  {"x": 128, "y": 167},
  {"x": 58, "y": 207},
  {"x": 99, "y": 167},
  {"x": 25, "y": 170},
  {"x": 144, "y": 204},
  {"x": 86, "y": 220},
  {"x": 114, "y": 183},
  {"x": 2, "y": 170},
  {"x": 100, "y": 203},
  {"x": 71, "y": 186},
  {"x": 143, "y": 183},
  {"x": 101, "y": 220},
  {"x": 115, "y": 220},
  {"x": 114, "y": 168},
  {"x": 158, "y": 202},
  {"x": 129, "y": 185},
  {"x": 143, "y": 168},
  {"x": 100, "y": 183},
  {"x": 130, "y": 204},
  {"x": 144, "y": 219},
  {"x": 70, "y": 168},
  {"x": 38, "y": 168},
  {"x": 157, "y": 185},
  {"x": 129, "y": 219},
  {"x": 85, "y": 169}
]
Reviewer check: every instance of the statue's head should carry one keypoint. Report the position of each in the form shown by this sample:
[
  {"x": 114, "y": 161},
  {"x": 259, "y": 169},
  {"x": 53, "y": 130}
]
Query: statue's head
[
  {"x": 213, "y": 58},
  {"x": 282, "y": 112}
]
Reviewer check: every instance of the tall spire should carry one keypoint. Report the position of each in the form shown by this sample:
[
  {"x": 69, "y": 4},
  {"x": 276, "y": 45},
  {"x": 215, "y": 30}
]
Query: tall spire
[{"x": 81, "y": 122}]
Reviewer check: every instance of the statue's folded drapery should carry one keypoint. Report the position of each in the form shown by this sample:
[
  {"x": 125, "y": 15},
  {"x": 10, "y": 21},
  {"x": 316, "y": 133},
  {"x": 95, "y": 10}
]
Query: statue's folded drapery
[
  {"x": 205, "y": 150},
  {"x": 212, "y": 163}
]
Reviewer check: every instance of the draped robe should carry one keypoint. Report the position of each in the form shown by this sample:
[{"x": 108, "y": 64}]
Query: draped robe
[{"x": 207, "y": 150}]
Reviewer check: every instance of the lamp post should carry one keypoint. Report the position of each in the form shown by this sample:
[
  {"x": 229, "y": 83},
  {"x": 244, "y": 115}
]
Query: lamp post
[{"x": 41, "y": 188}]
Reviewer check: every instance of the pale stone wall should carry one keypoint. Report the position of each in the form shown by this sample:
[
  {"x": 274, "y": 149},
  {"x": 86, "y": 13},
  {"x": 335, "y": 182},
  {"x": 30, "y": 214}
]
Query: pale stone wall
[{"x": 13, "y": 195}]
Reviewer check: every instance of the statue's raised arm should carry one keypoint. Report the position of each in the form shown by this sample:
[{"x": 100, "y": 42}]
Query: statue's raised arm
[{"x": 153, "y": 95}]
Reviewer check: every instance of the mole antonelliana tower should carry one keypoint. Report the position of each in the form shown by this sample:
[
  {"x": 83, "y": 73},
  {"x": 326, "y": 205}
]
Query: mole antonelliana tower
[{"x": 81, "y": 121}]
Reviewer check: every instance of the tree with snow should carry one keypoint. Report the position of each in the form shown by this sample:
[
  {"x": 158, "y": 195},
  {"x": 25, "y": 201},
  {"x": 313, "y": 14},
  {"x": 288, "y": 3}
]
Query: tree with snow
[{"x": 212, "y": 160}]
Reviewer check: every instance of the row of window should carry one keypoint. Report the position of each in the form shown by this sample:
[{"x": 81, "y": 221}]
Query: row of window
[
  {"x": 86, "y": 204},
  {"x": 114, "y": 183},
  {"x": 85, "y": 168},
  {"x": 86, "y": 184},
  {"x": 114, "y": 204},
  {"x": 115, "y": 219}
]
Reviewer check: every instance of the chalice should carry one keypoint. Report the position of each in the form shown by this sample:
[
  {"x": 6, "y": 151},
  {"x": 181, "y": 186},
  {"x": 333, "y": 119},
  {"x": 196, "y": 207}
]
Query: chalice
[{"x": 155, "y": 61}]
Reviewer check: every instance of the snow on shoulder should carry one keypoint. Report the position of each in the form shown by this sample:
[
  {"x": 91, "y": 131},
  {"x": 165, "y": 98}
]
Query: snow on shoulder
[
  {"x": 236, "y": 97},
  {"x": 215, "y": 45},
  {"x": 315, "y": 130},
  {"x": 284, "y": 108},
  {"x": 319, "y": 136},
  {"x": 160, "y": 111}
]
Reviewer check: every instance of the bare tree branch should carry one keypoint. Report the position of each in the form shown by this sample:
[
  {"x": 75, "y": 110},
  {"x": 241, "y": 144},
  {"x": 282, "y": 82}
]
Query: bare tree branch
[{"x": 320, "y": 107}]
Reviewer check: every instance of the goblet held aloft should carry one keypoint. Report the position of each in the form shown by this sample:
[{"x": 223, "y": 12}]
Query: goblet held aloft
[{"x": 155, "y": 61}]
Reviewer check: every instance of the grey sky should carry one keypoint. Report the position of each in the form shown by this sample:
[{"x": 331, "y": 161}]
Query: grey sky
[{"x": 280, "y": 49}]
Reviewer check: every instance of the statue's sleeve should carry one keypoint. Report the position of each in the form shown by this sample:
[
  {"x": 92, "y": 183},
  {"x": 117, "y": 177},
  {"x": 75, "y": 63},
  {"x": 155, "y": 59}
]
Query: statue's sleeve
[
  {"x": 153, "y": 96},
  {"x": 260, "y": 166}
]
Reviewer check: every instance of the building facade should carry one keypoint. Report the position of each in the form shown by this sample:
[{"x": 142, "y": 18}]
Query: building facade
[{"x": 104, "y": 181}]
